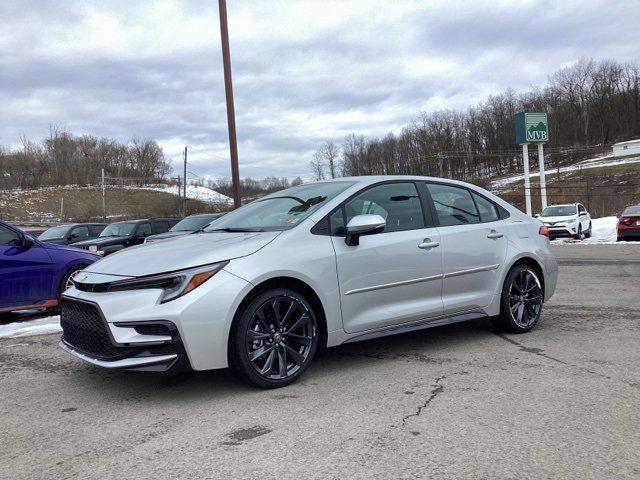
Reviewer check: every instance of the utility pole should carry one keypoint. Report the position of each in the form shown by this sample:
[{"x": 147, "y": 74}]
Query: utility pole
[
  {"x": 104, "y": 200},
  {"x": 231, "y": 116},
  {"x": 184, "y": 185},
  {"x": 179, "y": 195}
]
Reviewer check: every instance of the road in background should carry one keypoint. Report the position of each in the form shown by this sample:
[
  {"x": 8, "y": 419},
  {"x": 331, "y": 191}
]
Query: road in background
[{"x": 461, "y": 401}]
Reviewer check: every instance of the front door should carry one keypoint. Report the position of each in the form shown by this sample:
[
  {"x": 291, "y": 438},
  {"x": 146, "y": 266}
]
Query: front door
[
  {"x": 26, "y": 272},
  {"x": 474, "y": 247},
  {"x": 392, "y": 277}
]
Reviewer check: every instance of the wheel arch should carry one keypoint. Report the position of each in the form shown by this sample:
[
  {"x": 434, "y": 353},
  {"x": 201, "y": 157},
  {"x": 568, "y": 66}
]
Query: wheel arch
[
  {"x": 290, "y": 283},
  {"x": 530, "y": 262}
]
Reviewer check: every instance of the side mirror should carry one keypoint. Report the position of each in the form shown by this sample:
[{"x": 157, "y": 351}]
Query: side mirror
[
  {"x": 73, "y": 236},
  {"x": 537, "y": 215},
  {"x": 28, "y": 241},
  {"x": 362, "y": 225}
]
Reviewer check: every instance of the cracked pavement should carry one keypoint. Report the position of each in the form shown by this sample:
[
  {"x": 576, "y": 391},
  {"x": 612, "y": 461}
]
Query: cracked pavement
[{"x": 461, "y": 401}]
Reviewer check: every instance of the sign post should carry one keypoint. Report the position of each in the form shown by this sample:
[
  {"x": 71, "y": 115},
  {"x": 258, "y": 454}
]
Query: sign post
[
  {"x": 532, "y": 127},
  {"x": 527, "y": 184}
]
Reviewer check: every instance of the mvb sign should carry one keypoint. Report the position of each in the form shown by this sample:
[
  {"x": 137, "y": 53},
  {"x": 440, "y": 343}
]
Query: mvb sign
[{"x": 531, "y": 127}]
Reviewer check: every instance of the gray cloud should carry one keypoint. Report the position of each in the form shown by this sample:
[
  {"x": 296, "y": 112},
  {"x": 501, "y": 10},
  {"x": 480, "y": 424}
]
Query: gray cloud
[{"x": 304, "y": 71}]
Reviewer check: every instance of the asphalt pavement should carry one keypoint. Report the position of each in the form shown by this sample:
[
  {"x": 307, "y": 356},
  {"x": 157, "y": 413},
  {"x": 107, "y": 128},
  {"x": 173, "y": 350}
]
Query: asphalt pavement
[{"x": 462, "y": 401}]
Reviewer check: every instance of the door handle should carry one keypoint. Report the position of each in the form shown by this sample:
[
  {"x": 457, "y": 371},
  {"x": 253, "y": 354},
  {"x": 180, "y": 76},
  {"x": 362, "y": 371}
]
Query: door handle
[
  {"x": 427, "y": 244},
  {"x": 493, "y": 234}
]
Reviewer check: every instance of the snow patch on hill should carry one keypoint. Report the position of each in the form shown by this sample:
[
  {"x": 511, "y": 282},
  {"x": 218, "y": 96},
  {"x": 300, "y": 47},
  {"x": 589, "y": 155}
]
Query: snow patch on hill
[
  {"x": 599, "y": 162},
  {"x": 194, "y": 192}
]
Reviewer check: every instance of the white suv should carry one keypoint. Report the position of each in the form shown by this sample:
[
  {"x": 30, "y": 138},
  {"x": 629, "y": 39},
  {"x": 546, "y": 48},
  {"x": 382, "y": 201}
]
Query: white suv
[{"x": 570, "y": 219}]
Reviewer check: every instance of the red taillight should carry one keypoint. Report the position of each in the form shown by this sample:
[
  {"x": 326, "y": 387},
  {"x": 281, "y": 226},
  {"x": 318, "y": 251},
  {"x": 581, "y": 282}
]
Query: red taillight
[{"x": 544, "y": 231}]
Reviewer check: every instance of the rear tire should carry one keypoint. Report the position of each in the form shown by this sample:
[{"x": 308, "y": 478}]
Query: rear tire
[
  {"x": 587, "y": 234},
  {"x": 274, "y": 340},
  {"x": 521, "y": 302}
]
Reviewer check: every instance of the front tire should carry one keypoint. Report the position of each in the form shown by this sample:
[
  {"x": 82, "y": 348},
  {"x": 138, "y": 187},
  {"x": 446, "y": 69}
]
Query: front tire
[
  {"x": 578, "y": 236},
  {"x": 274, "y": 340},
  {"x": 67, "y": 279},
  {"x": 521, "y": 302}
]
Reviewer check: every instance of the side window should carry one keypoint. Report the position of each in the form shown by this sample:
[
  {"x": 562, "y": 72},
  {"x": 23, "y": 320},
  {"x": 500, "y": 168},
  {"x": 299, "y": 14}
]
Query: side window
[
  {"x": 581, "y": 209},
  {"x": 96, "y": 230},
  {"x": 488, "y": 211},
  {"x": 8, "y": 237},
  {"x": 144, "y": 229},
  {"x": 397, "y": 203},
  {"x": 161, "y": 227},
  {"x": 454, "y": 205},
  {"x": 80, "y": 233}
]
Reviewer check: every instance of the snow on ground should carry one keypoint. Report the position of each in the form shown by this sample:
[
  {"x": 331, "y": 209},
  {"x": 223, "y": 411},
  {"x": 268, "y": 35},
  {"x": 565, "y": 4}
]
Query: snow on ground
[
  {"x": 194, "y": 192},
  {"x": 599, "y": 162},
  {"x": 40, "y": 326}
]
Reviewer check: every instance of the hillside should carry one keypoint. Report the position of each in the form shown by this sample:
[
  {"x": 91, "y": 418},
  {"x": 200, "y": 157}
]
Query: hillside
[
  {"x": 84, "y": 203},
  {"x": 604, "y": 185}
]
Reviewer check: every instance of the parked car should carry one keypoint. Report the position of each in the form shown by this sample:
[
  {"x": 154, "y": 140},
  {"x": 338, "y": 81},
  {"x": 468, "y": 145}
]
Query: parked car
[
  {"x": 187, "y": 225},
  {"x": 72, "y": 233},
  {"x": 33, "y": 274},
  {"x": 120, "y": 235},
  {"x": 629, "y": 223},
  {"x": 567, "y": 220},
  {"x": 320, "y": 264}
]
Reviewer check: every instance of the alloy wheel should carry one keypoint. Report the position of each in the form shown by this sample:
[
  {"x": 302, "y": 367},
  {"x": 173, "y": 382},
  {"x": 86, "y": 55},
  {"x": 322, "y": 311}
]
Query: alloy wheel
[
  {"x": 525, "y": 298},
  {"x": 280, "y": 337},
  {"x": 69, "y": 282}
]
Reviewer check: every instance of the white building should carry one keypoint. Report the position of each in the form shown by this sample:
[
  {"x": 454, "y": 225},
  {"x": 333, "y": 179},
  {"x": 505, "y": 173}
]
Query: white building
[{"x": 627, "y": 148}]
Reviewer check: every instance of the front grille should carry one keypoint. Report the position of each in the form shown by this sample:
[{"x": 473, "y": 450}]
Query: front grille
[{"x": 84, "y": 329}]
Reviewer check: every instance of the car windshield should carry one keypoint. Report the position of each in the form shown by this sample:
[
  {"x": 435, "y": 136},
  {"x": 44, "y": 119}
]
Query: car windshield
[
  {"x": 118, "y": 230},
  {"x": 635, "y": 210},
  {"x": 191, "y": 224},
  {"x": 54, "y": 233},
  {"x": 559, "y": 211},
  {"x": 281, "y": 210}
]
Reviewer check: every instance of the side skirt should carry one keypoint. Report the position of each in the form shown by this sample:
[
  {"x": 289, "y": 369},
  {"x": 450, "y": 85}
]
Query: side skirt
[{"x": 422, "y": 325}]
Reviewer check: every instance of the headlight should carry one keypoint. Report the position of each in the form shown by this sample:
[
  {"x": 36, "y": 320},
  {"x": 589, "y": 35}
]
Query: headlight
[
  {"x": 93, "y": 248},
  {"x": 173, "y": 284}
]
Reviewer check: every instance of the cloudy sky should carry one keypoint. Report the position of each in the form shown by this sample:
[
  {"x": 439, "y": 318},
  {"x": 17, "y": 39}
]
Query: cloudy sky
[{"x": 304, "y": 71}]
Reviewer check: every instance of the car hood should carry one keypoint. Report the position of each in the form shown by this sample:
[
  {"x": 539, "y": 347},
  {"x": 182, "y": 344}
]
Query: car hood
[
  {"x": 564, "y": 218},
  {"x": 67, "y": 248},
  {"x": 191, "y": 251},
  {"x": 102, "y": 241}
]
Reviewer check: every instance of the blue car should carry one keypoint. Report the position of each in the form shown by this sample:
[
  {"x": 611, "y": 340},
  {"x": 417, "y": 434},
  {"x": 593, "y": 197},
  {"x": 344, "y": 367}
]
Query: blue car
[{"x": 33, "y": 274}]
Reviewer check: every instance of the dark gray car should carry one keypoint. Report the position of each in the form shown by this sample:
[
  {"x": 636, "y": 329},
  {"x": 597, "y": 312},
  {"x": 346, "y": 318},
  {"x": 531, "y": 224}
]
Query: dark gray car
[
  {"x": 71, "y": 233},
  {"x": 187, "y": 225}
]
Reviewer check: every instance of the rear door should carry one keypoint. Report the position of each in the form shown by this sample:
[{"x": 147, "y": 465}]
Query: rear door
[
  {"x": 26, "y": 273},
  {"x": 474, "y": 246},
  {"x": 392, "y": 277}
]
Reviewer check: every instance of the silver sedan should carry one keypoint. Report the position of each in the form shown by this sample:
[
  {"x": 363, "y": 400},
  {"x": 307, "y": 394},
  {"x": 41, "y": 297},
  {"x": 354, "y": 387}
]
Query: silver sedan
[{"x": 316, "y": 265}]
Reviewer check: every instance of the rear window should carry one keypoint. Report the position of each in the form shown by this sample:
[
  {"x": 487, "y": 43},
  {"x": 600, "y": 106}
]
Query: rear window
[{"x": 635, "y": 210}]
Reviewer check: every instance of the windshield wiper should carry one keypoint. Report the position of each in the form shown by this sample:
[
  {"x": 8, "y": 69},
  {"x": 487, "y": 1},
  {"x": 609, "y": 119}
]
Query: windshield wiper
[{"x": 237, "y": 230}]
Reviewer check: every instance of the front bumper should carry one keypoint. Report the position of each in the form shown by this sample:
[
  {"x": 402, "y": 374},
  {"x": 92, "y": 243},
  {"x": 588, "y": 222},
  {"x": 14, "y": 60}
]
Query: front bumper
[
  {"x": 156, "y": 362},
  {"x": 200, "y": 322},
  {"x": 562, "y": 230},
  {"x": 144, "y": 346}
]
